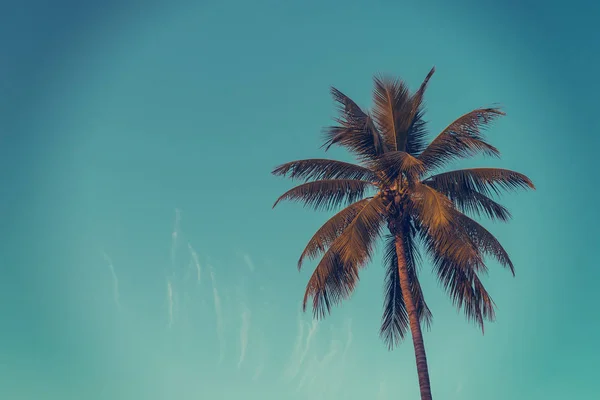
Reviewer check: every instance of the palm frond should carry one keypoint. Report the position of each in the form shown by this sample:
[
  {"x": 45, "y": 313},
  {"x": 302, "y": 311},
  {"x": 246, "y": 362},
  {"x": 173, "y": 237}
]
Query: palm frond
[
  {"x": 336, "y": 274},
  {"x": 416, "y": 139},
  {"x": 470, "y": 201},
  {"x": 394, "y": 163},
  {"x": 453, "y": 243},
  {"x": 485, "y": 241},
  {"x": 431, "y": 208},
  {"x": 358, "y": 239},
  {"x": 394, "y": 323},
  {"x": 487, "y": 181},
  {"x": 417, "y": 99},
  {"x": 323, "y": 169},
  {"x": 356, "y": 129},
  {"x": 462, "y": 138},
  {"x": 391, "y": 111},
  {"x": 331, "y": 230},
  {"x": 327, "y": 194},
  {"x": 331, "y": 282},
  {"x": 466, "y": 291}
]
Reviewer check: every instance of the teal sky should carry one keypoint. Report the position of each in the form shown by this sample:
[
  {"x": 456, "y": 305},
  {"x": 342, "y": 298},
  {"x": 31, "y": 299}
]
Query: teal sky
[{"x": 122, "y": 124}]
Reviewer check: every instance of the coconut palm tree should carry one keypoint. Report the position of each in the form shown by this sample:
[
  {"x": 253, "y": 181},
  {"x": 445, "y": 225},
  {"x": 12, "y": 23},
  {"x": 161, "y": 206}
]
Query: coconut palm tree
[{"x": 397, "y": 184}]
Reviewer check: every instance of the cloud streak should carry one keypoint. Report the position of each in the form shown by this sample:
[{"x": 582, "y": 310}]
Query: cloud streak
[
  {"x": 218, "y": 313},
  {"x": 114, "y": 278},
  {"x": 245, "y": 328},
  {"x": 195, "y": 262},
  {"x": 170, "y": 302},
  {"x": 301, "y": 348},
  {"x": 249, "y": 262},
  {"x": 175, "y": 235}
]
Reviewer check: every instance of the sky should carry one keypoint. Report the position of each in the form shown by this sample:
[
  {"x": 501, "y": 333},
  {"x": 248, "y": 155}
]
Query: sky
[{"x": 139, "y": 254}]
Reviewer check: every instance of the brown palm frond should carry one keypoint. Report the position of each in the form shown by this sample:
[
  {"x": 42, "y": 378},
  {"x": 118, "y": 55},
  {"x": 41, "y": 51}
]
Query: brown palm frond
[
  {"x": 394, "y": 163},
  {"x": 336, "y": 274},
  {"x": 394, "y": 323},
  {"x": 356, "y": 130},
  {"x": 487, "y": 181},
  {"x": 430, "y": 208},
  {"x": 331, "y": 282},
  {"x": 323, "y": 169},
  {"x": 462, "y": 138},
  {"x": 470, "y": 201},
  {"x": 331, "y": 230},
  {"x": 485, "y": 241},
  {"x": 466, "y": 291},
  {"x": 391, "y": 111},
  {"x": 327, "y": 194},
  {"x": 357, "y": 241},
  {"x": 416, "y": 139},
  {"x": 452, "y": 242},
  {"x": 417, "y": 98}
]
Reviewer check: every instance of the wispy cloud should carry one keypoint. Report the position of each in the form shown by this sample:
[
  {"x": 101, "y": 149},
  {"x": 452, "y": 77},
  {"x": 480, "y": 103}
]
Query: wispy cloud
[
  {"x": 245, "y": 328},
  {"x": 459, "y": 387},
  {"x": 249, "y": 262},
  {"x": 195, "y": 261},
  {"x": 175, "y": 235},
  {"x": 301, "y": 348},
  {"x": 291, "y": 369},
  {"x": 261, "y": 364},
  {"x": 218, "y": 313},
  {"x": 114, "y": 278},
  {"x": 170, "y": 301}
]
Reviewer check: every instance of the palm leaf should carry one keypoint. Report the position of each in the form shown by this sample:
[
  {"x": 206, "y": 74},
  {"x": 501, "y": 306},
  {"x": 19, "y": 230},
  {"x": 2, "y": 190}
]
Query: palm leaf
[
  {"x": 485, "y": 241},
  {"x": 394, "y": 323},
  {"x": 331, "y": 282},
  {"x": 417, "y": 135},
  {"x": 487, "y": 181},
  {"x": 394, "y": 163},
  {"x": 322, "y": 169},
  {"x": 355, "y": 130},
  {"x": 331, "y": 230},
  {"x": 462, "y": 138},
  {"x": 336, "y": 274},
  {"x": 391, "y": 111},
  {"x": 327, "y": 194},
  {"x": 466, "y": 291},
  {"x": 431, "y": 208},
  {"x": 357, "y": 241},
  {"x": 470, "y": 201}
]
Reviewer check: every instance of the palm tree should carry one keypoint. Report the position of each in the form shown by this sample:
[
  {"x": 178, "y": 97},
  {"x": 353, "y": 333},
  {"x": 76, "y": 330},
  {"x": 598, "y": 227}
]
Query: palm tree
[{"x": 396, "y": 184}]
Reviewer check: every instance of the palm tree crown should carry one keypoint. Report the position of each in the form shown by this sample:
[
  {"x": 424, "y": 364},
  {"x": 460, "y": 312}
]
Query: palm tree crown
[{"x": 396, "y": 184}]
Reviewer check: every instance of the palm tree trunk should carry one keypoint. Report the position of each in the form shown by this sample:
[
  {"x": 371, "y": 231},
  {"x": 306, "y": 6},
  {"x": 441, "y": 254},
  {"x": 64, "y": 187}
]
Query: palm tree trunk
[{"x": 415, "y": 326}]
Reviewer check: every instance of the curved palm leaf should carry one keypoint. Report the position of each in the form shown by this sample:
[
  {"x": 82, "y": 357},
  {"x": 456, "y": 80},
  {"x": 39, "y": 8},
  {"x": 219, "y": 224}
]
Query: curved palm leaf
[
  {"x": 323, "y": 169},
  {"x": 487, "y": 181},
  {"x": 431, "y": 208},
  {"x": 394, "y": 322},
  {"x": 417, "y": 135},
  {"x": 331, "y": 230},
  {"x": 394, "y": 163},
  {"x": 470, "y": 201},
  {"x": 485, "y": 241},
  {"x": 331, "y": 282},
  {"x": 356, "y": 130},
  {"x": 356, "y": 242},
  {"x": 327, "y": 194},
  {"x": 466, "y": 291},
  {"x": 462, "y": 138},
  {"x": 391, "y": 109}
]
